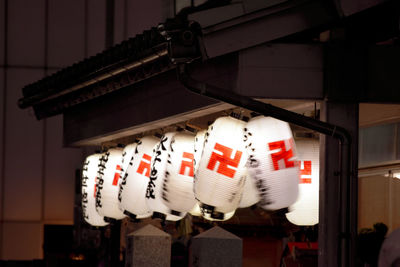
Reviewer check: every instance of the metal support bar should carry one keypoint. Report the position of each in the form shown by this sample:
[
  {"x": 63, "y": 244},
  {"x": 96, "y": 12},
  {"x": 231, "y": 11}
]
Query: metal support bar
[{"x": 345, "y": 250}]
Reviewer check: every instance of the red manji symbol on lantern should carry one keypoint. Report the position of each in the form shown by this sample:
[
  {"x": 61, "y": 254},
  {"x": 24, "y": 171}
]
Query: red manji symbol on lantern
[
  {"x": 144, "y": 165},
  {"x": 187, "y": 163},
  {"x": 117, "y": 175},
  {"x": 224, "y": 158},
  {"x": 305, "y": 171},
  {"x": 282, "y": 154}
]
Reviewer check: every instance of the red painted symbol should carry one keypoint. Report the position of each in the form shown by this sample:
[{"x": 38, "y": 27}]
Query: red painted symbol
[
  {"x": 227, "y": 164},
  {"x": 282, "y": 154},
  {"x": 95, "y": 186},
  {"x": 305, "y": 172},
  {"x": 144, "y": 165},
  {"x": 187, "y": 163},
  {"x": 117, "y": 175}
]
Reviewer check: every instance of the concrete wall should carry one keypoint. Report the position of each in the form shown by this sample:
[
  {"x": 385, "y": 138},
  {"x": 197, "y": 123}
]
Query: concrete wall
[{"x": 37, "y": 174}]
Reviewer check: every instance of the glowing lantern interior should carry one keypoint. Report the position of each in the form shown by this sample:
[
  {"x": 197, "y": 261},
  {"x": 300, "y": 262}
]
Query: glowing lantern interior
[
  {"x": 196, "y": 210},
  {"x": 209, "y": 213}
]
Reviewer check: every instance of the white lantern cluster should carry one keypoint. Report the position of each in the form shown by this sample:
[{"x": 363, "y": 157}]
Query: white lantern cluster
[
  {"x": 232, "y": 164},
  {"x": 305, "y": 210}
]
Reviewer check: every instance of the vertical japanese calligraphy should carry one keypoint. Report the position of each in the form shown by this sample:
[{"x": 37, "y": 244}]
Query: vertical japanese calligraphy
[{"x": 154, "y": 172}]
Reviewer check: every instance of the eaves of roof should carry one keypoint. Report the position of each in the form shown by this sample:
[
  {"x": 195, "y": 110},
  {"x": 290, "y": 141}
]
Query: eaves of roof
[
  {"x": 190, "y": 35},
  {"x": 130, "y": 61}
]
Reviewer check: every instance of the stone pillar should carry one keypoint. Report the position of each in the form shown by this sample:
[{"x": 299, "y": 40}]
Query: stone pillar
[
  {"x": 148, "y": 246},
  {"x": 216, "y": 247},
  {"x": 330, "y": 235}
]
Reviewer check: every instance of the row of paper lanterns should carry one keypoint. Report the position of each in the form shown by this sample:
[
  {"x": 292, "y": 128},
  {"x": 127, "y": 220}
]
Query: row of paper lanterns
[{"x": 232, "y": 164}]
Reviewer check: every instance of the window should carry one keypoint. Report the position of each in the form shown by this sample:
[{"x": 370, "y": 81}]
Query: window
[{"x": 379, "y": 144}]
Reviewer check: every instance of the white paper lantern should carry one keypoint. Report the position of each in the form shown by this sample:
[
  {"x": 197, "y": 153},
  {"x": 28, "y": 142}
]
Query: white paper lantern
[
  {"x": 250, "y": 195},
  {"x": 89, "y": 177},
  {"x": 305, "y": 210},
  {"x": 108, "y": 183},
  {"x": 177, "y": 190},
  {"x": 198, "y": 151},
  {"x": 157, "y": 176},
  {"x": 127, "y": 157},
  {"x": 272, "y": 161},
  {"x": 136, "y": 179},
  {"x": 220, "y": 177},
  {"x": 198, "y": 147}
]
